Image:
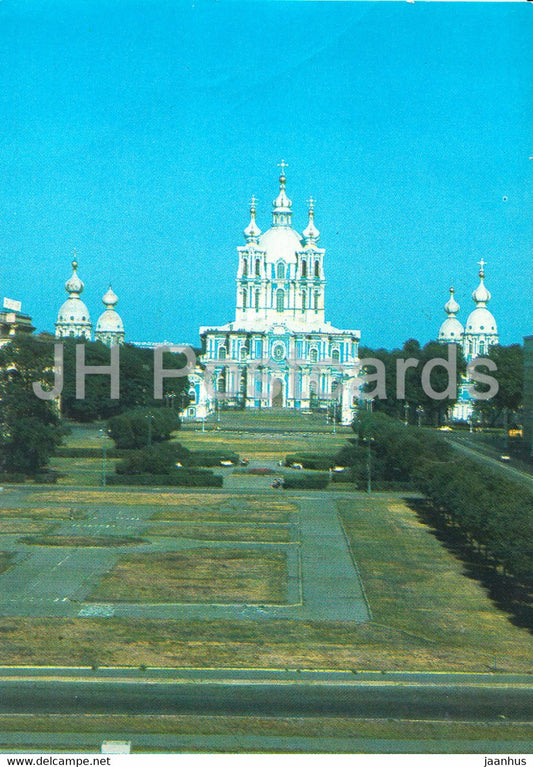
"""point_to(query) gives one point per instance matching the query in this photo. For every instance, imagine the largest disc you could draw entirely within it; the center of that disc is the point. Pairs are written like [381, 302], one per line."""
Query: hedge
[89, 452]
[210, 458]
[307, 481]
[313, 461]
[181, 478]
[13, 478]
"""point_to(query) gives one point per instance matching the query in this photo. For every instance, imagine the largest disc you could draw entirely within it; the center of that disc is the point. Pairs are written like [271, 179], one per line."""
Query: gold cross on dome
[481, 265]
[311, 202]
[283, 165]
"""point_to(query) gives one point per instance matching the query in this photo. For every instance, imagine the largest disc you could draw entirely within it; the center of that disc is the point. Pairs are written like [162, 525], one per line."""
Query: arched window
[192, 397]
[313, 355]
[222, 353]
[257, 267]
[280, 271]
[245, 267]
[316, 302]
[317, 269]
[256, 300]
[304, 301]
[243, 352]
[481, 348]
[244, 299]
[280, 300]
[304, 268]
[221, 383]
[335, 355]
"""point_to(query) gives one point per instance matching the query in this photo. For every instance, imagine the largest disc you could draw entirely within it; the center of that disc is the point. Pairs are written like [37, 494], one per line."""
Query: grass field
[196, 575]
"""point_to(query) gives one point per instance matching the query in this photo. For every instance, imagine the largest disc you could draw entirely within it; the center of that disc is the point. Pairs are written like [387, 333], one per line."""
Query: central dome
[280, 243]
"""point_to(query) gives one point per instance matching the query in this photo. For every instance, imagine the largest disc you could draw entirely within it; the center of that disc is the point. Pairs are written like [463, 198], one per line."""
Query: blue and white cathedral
[280, 351]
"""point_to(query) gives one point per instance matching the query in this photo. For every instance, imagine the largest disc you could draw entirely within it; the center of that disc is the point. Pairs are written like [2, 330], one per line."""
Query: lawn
[419, 590]
[196, 576]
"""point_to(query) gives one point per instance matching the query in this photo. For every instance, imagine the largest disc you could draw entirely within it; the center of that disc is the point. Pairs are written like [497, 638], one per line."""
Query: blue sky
[136, 131]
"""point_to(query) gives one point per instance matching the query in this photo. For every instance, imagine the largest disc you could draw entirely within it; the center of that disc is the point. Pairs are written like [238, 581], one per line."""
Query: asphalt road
[511, 471]
[466, 702]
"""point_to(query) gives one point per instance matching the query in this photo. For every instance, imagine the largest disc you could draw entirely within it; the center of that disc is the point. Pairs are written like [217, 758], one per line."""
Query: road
[404, 696]
[512, 473]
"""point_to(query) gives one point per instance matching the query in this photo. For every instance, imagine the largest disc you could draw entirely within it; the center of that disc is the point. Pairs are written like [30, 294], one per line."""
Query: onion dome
[73, 318]
[252, 231]
[481, 320]
[110, 328]
[74, 285]
[311, 233]
[281, 213]
[481, 296]
[451, 329]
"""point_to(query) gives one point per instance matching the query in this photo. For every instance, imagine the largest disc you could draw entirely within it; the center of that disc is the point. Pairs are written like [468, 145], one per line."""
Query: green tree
[30, 426]
[509, 374]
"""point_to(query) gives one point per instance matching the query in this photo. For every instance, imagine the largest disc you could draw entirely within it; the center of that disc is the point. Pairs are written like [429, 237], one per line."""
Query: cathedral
[73, 320]
[475, 338]
[280, 351]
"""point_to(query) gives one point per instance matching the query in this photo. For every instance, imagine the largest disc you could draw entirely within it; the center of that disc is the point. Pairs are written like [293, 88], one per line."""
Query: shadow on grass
[506, 592]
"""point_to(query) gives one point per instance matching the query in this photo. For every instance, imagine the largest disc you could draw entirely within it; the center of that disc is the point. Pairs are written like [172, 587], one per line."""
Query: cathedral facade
[280, 351]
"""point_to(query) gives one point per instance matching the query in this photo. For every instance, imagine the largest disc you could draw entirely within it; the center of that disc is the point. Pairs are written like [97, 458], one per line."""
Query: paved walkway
[323, 582]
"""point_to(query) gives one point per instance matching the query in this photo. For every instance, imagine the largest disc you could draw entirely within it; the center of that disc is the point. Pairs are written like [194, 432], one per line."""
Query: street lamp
[419, 413]
[151, 419]
[406, 413]
[103, 437]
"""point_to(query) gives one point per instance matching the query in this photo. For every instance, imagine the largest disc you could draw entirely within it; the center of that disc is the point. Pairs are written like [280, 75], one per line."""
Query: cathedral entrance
[277, 392]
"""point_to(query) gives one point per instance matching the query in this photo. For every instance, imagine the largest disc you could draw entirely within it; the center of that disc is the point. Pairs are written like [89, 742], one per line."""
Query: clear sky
[136, 131]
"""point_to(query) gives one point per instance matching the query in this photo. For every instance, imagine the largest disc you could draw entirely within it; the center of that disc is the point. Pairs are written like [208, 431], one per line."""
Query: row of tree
[491, 512]
[418, 405]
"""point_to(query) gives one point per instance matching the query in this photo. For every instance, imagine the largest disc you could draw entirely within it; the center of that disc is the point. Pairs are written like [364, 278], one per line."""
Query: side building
[479, 333]
[280, 351]
[74, 321]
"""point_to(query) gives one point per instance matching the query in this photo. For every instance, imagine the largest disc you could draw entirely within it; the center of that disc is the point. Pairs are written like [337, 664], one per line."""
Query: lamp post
[419, 413]
[103, 437]
[150, 421]
[406, 413]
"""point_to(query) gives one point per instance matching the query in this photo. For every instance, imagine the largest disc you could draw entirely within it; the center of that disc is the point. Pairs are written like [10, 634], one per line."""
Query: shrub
[139, 428]
[156, 459]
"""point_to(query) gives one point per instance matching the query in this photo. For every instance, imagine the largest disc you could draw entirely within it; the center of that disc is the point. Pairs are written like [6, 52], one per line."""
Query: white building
[475, 338]
[280, 351]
